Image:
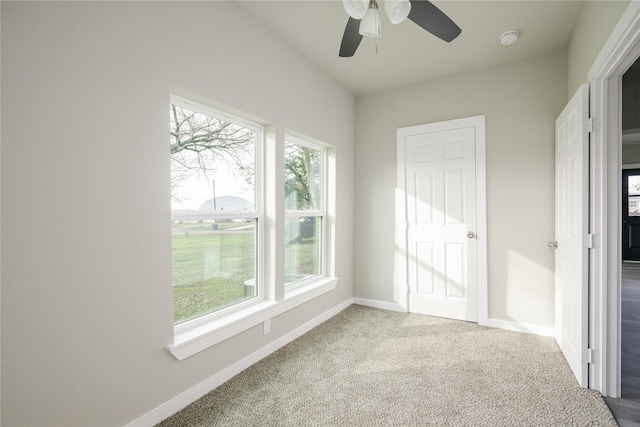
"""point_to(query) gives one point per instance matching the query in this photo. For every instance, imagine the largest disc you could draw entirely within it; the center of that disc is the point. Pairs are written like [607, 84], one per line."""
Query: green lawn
[210, 267]
[209, 271]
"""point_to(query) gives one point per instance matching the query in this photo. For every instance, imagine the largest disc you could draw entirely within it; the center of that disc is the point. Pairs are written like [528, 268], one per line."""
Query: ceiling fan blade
[351, 38]
[432, 19]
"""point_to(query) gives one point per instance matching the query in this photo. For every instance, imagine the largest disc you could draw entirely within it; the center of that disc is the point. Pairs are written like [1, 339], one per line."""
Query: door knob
[553, 244]
[471, 235]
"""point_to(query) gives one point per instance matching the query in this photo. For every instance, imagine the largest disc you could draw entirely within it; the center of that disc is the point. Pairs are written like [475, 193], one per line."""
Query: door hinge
[587, 125]
[590, 355]
[592, 241]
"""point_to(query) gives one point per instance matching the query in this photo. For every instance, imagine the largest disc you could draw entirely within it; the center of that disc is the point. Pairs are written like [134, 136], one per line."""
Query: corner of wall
[597, 20]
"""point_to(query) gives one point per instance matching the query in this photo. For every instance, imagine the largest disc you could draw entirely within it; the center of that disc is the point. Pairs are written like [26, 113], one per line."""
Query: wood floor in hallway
[627, 409]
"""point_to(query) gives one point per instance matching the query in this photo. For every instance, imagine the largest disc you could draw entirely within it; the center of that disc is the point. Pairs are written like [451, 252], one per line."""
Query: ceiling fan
[364, 20]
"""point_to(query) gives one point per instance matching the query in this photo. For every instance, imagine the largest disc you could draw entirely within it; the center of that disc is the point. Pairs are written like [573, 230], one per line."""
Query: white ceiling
[406, 54]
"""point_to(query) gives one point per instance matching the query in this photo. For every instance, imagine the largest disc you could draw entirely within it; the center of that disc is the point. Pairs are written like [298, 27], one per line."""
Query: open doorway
[616, 58]
[615, 147]
[626, 408]
[630, 233]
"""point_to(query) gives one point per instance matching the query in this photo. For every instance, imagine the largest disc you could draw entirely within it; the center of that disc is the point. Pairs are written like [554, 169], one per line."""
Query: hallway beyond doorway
[627, 409]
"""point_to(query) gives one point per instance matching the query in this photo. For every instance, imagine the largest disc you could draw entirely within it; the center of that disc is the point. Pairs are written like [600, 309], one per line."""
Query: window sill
[196, 339]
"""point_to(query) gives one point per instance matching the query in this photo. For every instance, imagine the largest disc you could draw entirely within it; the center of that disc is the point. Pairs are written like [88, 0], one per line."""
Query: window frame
[256, 214]
[201, 333]
[317, 213]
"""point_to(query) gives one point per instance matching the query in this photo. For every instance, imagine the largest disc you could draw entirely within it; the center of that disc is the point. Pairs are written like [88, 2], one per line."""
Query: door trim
[619, 52]
[401, 293]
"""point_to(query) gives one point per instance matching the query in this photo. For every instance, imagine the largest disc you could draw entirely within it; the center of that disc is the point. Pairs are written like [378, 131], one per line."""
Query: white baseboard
[194, 393]
[545, 331]
[380, 304]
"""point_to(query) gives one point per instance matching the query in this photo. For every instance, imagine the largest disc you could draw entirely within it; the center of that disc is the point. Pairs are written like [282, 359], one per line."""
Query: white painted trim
[631, 166]
[194, 393]
[189, 396]
[401, 261]
[621, 42]
[197, 339]
[481, 220]
[618, 53]
[545, 331]
[401, 265]
[390, 306]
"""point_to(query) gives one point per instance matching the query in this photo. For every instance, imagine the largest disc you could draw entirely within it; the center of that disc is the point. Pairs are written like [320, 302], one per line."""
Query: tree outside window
[216, 214]
[304, 204]
[214, 218]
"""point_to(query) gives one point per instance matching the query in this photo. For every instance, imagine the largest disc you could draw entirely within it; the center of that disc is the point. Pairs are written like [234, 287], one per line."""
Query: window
[227, 256]
[215, 210]
[633, 191]
[304, 204]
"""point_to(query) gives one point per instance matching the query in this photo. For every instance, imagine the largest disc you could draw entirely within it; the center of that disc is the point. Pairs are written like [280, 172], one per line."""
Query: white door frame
[618, 54]
[401, 261]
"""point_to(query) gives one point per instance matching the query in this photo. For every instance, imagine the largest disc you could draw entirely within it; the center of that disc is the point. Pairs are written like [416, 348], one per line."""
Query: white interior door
[440, 197]
[571, 262]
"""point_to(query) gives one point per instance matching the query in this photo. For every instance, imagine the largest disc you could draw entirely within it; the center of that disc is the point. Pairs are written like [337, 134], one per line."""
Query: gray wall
[631, 113]
[631, 98]
[86, 280]
[596, 22]
[86, 297]
[631, 154]
[521, 102]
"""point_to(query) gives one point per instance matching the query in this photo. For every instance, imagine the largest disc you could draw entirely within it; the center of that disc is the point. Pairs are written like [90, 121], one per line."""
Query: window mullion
[274, 212]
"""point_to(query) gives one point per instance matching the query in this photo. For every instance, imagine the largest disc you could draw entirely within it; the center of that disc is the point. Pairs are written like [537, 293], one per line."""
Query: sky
[197, 189]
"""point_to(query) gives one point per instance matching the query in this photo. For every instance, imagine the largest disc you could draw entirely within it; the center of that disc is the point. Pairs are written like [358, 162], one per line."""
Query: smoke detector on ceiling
[509, 37]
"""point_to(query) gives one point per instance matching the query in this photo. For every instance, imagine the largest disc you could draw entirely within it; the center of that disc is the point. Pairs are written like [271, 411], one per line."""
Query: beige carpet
[370, 367]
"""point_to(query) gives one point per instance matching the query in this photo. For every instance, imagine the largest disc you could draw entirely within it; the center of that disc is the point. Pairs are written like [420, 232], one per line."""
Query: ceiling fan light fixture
[356, 8]
[370, 23]
[397, 10]
[422, 12]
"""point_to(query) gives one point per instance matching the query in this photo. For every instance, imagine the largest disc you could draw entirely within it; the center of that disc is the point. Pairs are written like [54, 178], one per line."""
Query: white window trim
[256, 213]
[196, 339]
[322, 212]
[196, 335]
